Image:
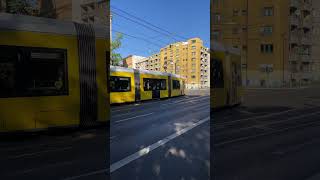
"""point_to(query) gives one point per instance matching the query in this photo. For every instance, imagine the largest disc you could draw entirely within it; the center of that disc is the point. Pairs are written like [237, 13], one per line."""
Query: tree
[24, 7]
[116, 44]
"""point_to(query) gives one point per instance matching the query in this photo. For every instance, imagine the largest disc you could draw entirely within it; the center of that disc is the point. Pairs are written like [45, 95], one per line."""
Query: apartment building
[81, 11]
[189, 59]
[316, 40]
[133, 61]
[274, 37]
[151, 63]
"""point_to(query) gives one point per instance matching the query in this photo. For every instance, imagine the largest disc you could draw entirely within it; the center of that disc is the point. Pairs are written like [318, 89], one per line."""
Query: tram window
[154, 84]
[176, 84]
[163, 84]
[28, 71]
[218, 80]
[120, 84]
[47, 72]
[146, 84]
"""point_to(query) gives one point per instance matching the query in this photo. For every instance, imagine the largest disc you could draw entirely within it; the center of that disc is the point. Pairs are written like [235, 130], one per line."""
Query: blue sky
[184, 18]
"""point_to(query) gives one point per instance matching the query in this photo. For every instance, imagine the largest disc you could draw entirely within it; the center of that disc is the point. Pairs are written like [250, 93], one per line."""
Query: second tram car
[226, 83]
[133, 85]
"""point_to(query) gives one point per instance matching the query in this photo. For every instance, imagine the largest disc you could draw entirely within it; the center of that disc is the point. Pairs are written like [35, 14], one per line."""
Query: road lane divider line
[273, 122]
[266, 133]
[38, 153]
[127, 119]
[130, 107]
[147, 150]
[88, 174]
[258, 117]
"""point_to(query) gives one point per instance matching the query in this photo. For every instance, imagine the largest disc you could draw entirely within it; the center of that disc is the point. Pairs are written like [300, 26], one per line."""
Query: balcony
[294, 38]
[294, 20]
[307, 6]
[307, 23]
[306, 75]
[306, 40]
[294, 56]
[294, 3]
[306, 58]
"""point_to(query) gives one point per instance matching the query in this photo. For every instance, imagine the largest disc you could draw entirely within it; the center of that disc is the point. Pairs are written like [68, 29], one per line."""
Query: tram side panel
[153, 86]
[102, 57]
[177, 87]
[122, 88]
[219, 89]
[44, 84]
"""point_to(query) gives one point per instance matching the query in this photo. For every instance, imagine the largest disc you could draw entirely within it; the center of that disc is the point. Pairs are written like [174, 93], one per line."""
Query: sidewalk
[197, 92]
[315, 177]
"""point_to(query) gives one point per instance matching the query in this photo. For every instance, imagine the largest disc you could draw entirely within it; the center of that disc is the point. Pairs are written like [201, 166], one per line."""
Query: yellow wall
[252, 37]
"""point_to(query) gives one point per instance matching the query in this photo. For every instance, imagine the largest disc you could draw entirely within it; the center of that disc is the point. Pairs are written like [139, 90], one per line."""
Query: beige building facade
[274, 37]
[189, 59]
[316, 40]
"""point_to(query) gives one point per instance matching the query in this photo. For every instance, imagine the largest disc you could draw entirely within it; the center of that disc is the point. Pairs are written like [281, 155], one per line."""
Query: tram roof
[44, 25]
[142, 71]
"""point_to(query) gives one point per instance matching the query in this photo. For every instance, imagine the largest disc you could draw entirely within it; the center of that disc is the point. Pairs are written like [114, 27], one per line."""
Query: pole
[283, 60]
[247, 44]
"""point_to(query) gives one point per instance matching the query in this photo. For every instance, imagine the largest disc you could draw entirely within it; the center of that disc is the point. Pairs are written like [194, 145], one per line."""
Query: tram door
[156, 89]
[137, 85]
[233, 88]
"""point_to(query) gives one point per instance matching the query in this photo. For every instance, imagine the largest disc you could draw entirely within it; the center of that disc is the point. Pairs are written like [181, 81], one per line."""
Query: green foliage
[116, 44]
[24, 7]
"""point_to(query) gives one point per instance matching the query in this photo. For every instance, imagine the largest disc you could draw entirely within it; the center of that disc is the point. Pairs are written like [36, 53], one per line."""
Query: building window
[267, 30]
[244, 12]
[216, 34]
[266, 48]
[217, 18]
[193, 47]
[235, 12]
[268, 11]
[26, 71]
[235, 30]
[193, 41]
[120, 84]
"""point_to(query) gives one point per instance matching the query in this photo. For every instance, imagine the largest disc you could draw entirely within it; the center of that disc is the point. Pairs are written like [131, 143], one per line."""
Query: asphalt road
[165, 139]
[161, 139]
[272, 142]
[56, 156]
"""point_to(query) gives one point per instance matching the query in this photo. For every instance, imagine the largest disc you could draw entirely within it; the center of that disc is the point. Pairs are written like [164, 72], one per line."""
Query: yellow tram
[226, 83]
[52, 73]
[132, 85]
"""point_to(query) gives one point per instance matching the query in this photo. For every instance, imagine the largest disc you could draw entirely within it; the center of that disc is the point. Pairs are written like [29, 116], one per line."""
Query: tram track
[255, 128]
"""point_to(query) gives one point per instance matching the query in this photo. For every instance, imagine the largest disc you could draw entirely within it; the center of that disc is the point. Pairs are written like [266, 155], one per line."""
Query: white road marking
[88, 174]
[152, 147]
[295, 147]
[38, 153]
[131, 107]
[257, 117]
[263, 134]
[127, 119]
[184, 101]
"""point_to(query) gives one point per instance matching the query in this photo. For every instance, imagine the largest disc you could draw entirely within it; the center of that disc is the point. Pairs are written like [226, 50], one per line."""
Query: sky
[181, 20]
